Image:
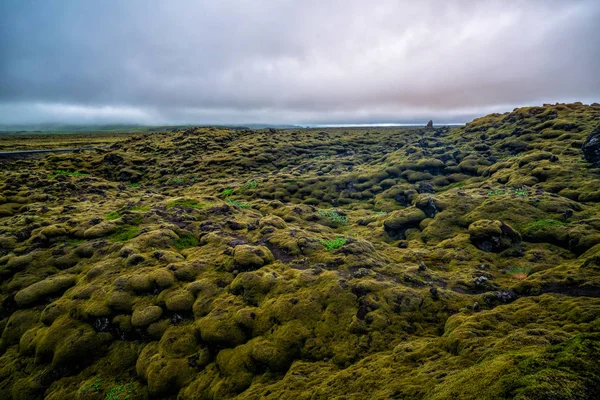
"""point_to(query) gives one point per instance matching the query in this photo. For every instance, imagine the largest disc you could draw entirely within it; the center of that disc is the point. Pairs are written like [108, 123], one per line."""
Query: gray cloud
[294, 62]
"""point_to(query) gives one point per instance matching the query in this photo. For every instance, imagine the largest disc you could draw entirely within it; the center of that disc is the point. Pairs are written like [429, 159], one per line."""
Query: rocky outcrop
[591, 147]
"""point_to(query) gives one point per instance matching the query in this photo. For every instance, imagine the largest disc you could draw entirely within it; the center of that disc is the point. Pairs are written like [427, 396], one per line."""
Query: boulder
[591, 147]
[493, 236]
[248, 258]
[399, 221]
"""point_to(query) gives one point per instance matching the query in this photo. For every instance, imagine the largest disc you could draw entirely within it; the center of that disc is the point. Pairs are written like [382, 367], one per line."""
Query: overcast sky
[292, 61]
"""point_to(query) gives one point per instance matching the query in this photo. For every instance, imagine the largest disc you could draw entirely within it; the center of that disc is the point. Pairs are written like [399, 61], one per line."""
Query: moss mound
[358, 263]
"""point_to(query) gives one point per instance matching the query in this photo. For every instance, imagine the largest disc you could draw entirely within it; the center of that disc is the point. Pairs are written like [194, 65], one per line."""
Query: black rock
[425, 187]
[430, 124]
[434, 293]
[591, 147]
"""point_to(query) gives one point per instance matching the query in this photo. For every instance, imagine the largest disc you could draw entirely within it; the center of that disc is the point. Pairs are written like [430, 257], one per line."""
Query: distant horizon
[317, 62]
[50, 126]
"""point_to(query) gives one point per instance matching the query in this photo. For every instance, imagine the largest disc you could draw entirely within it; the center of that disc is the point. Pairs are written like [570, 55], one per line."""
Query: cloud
[295, 62]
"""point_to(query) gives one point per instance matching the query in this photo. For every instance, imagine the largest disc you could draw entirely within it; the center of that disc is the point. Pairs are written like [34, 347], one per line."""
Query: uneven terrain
[379, 263]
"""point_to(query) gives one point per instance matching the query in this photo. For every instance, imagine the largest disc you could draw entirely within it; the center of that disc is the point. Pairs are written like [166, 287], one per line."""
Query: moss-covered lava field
[346, 263]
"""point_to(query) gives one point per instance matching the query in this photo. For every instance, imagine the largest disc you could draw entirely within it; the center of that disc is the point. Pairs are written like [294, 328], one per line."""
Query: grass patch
[496, 192]
[333, 244]
[520, 192]
[93, 387]
[227, 192]
[134, 184]
[66, 173]
[516, 192]
[112, 215]
[186, 241]
[334, 216]
[237, 203]
[540, 224]
[519, 273]
[124, 234]
[120, 392]
[75, 242]
[187, 203]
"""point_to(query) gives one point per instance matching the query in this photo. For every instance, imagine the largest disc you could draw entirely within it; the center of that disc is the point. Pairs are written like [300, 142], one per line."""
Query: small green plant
[119, 393]
[124, 234]
[112, 215]
[66, 173]
[227, 192]
[237, 203]
[334, 216]
[333, 244]
[186, 203]
[253, 184]
[186, 241]
[134, 184]
[520, 192]
[93, 387]
[177, 181]
[519, 273]
[75, 242]
[516, 192]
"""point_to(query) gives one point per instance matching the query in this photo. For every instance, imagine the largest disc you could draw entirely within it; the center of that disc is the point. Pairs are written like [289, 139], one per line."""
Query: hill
[355, 263]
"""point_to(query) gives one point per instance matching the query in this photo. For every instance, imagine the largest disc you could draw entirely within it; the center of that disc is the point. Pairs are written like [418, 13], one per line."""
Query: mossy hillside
[191, 264]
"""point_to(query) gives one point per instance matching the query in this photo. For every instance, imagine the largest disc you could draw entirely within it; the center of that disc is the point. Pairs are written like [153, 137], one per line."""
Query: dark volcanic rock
[591, 147]
[493, 236]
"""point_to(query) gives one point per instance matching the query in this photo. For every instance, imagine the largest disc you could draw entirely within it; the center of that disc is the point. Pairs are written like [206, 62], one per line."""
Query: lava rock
[493, 236]
[591, 147]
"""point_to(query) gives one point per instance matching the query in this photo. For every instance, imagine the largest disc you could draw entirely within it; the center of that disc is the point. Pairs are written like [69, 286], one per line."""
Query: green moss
[333, 244]
[186, 241]
[61, 172]
[112, 215]
[238, 203]
[124, 234]
[40, 290]
[334, 216]
[543, 223]
[186, 203]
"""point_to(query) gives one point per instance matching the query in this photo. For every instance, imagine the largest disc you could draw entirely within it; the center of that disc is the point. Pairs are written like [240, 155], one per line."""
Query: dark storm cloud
[291, 61]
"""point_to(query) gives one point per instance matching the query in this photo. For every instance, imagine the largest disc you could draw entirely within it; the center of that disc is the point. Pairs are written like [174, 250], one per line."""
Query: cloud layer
[326, 61]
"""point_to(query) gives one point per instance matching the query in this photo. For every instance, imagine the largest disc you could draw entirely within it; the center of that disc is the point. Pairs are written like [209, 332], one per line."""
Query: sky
[292, 62]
